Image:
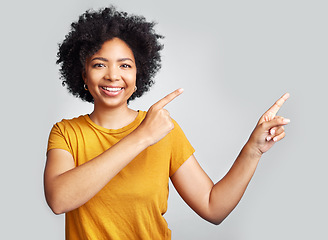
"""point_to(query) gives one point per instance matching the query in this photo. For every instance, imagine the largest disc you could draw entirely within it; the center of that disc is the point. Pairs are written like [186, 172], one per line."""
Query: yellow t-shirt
[132, 204]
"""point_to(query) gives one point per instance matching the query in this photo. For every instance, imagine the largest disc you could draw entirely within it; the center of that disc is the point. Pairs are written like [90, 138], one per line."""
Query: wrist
[253, 151]
[141, 138]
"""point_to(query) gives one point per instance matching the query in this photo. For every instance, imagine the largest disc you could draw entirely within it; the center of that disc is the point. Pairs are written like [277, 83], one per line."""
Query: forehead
[115, 48]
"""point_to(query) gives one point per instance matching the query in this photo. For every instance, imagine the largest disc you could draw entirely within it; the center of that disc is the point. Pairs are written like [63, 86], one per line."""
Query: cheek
[93, 76]
[131, 77]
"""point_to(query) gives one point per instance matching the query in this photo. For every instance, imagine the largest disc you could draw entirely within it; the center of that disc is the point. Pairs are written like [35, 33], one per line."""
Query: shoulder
[66, 132]
[73, 121]
[67, 124]
[177, 129]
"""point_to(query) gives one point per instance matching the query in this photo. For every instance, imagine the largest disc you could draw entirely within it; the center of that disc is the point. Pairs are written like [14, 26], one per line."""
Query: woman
[109, 171]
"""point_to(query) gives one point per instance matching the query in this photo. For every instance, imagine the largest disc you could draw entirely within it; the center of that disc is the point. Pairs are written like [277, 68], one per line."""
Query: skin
[68, 187]
[215, 202]
[112, 66]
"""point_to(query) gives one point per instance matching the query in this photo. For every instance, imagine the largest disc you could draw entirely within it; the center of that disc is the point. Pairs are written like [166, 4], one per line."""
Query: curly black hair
[88, 34]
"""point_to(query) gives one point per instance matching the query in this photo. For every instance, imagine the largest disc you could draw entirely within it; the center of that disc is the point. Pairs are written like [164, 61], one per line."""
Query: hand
[158, 123]
[269, 128]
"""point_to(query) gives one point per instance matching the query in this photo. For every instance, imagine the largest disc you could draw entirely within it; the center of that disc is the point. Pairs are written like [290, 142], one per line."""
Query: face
[110, 74]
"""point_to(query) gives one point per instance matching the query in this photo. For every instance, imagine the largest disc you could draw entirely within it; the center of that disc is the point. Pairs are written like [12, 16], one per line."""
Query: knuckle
[278, 118]
[165, 112]
[264, 125]
[277, 103]
[156, 108]
[153, 107]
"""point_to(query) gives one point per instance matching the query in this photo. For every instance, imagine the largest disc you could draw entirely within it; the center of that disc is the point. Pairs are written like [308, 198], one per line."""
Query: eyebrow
[106, 60]
[100, 58]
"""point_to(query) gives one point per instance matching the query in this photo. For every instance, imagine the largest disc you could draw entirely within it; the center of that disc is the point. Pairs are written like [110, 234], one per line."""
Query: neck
[113, 118]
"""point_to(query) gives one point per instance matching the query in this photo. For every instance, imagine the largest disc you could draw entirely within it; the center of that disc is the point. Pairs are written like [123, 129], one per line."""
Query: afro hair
[88, 34]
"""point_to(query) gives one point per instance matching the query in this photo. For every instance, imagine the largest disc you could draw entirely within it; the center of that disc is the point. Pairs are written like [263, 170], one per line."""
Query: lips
[112, 89]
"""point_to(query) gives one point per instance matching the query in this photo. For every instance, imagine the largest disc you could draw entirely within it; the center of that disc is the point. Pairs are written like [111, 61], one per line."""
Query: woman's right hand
[158, 123]
[68, 187]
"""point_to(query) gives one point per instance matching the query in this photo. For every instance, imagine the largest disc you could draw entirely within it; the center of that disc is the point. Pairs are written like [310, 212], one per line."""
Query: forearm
[226, 194]
[75, 187]
[215, 202]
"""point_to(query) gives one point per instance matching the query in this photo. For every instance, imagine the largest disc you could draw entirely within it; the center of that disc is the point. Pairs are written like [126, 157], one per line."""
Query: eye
[99, 65]
[125, 65]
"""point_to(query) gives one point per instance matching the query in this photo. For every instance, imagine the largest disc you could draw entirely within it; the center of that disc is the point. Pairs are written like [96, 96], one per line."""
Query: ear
[84, 76]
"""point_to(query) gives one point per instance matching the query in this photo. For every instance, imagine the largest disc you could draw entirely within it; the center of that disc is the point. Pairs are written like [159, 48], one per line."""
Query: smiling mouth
[111, 89]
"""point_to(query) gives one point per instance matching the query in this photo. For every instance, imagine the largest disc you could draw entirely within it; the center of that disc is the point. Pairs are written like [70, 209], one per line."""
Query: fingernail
[286, 120]
[268, 138]
[275, 139]
[272, 131]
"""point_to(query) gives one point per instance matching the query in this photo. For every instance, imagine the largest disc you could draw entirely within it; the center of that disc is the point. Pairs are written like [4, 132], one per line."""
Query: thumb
[276, 122]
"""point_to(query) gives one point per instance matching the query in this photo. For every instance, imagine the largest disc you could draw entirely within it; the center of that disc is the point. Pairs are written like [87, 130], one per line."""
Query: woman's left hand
[270, 128]
[215, 202]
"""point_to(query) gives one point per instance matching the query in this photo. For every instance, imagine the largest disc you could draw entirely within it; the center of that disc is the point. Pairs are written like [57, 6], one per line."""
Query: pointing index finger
[168, 98]
[272, 111]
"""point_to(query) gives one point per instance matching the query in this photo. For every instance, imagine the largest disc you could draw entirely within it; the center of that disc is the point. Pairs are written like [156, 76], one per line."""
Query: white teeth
[112, 89]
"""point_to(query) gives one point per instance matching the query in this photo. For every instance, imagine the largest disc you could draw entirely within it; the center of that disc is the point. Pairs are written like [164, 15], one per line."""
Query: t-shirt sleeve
[57, 138]
[181, 148]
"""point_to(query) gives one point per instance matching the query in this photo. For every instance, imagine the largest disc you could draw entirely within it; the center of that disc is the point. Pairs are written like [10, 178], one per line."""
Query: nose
[112, 73]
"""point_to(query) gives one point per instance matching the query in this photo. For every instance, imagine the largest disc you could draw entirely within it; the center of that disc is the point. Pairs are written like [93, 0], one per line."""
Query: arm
[215, 202]
[68, 187]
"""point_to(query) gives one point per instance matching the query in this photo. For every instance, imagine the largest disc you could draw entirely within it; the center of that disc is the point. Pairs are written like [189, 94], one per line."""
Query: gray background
[233, 58]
